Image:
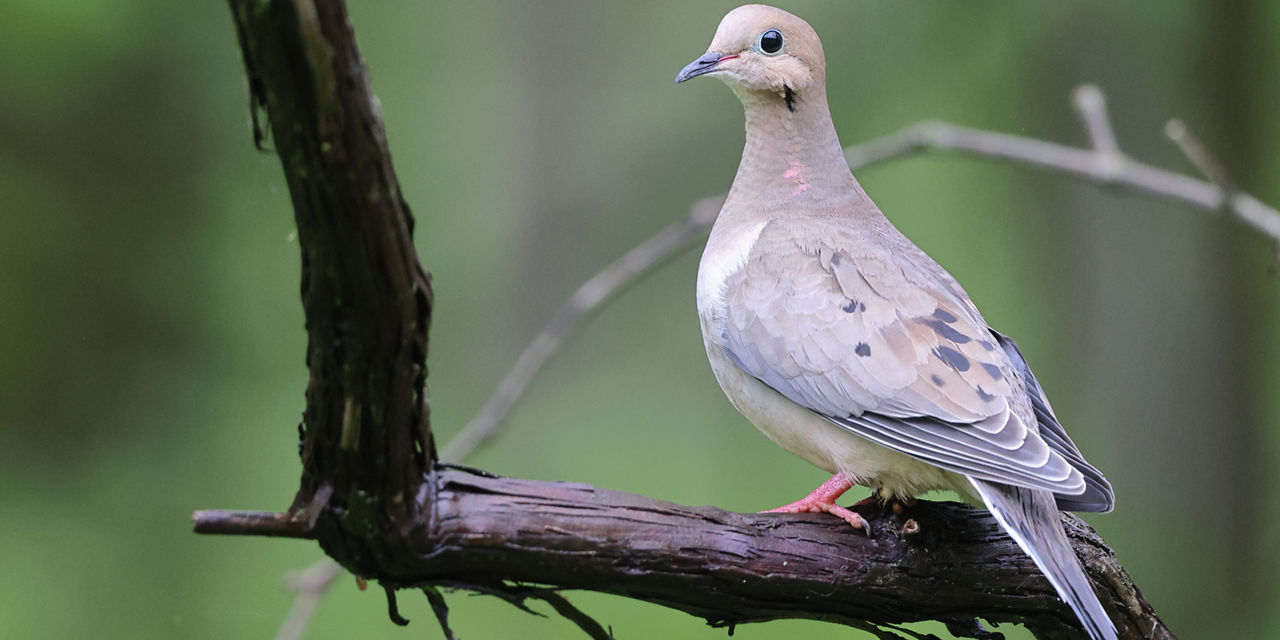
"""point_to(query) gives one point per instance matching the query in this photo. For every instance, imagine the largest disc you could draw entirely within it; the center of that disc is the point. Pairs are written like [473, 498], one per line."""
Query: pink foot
[823, 500]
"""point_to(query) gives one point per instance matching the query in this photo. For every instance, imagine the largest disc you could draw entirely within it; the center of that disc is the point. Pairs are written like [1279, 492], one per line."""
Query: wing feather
[1098, 495]
[906, 363]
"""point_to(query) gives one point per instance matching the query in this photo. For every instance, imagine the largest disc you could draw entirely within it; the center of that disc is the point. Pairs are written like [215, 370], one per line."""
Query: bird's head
[759, 48]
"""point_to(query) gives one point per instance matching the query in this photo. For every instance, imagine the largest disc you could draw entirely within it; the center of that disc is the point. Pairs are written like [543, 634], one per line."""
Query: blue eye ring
[770, 43]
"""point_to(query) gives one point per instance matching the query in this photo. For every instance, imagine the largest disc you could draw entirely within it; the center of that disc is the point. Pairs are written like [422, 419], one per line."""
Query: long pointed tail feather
[1031, 519]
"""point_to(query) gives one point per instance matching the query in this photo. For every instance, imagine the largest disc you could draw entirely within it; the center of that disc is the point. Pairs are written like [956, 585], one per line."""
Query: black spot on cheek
[863, 349]
[938, 380]
[953, 358]
[790, 97]
[992, 370]
[947, 331]
[984, 396]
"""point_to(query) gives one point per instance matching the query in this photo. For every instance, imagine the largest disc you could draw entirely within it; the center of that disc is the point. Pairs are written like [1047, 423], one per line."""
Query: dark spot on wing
[988, 345]
[944, 315]
[984, 396]
[835, 259]
[947, 331]
[863, 349]
[953, 358]
[937, 380]
[992, 370]
[854, 305]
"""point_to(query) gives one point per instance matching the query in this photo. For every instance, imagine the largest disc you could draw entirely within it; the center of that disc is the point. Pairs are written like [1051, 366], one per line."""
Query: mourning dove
[848, 346]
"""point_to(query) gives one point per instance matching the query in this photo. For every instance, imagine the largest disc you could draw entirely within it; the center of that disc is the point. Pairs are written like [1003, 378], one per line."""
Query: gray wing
[887, 345]
[1098, 495]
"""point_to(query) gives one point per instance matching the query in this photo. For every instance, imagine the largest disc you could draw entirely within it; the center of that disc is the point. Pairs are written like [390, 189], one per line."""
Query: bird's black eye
[770, 42]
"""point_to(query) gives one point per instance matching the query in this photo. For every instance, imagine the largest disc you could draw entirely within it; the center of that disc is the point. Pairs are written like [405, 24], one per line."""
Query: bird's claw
[823, 500]
[854, 518]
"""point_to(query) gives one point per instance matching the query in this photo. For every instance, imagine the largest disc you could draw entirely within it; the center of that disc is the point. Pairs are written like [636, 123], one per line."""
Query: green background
[151, 336]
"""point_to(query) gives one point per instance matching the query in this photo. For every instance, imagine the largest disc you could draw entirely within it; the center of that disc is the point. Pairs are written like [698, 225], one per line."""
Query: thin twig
[311, 584]
[1259, 216]
[517, 595]
[251, 523]
[1083, 163]
[1246, 207]
[1204, 162]
[600, 288]
[440, 608]
[573, 614]
[1091, 105]
[393, 607]
[1104, 163]
[295, 524]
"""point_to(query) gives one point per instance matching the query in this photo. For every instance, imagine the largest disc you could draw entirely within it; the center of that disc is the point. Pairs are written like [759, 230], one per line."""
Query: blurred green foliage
[152, 342]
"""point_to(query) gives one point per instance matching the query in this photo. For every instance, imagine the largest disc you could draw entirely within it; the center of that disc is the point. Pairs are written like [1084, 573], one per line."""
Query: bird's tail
[1031, 519]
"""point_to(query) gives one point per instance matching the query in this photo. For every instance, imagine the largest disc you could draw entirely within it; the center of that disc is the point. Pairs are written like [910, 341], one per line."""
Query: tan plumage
[847, 345]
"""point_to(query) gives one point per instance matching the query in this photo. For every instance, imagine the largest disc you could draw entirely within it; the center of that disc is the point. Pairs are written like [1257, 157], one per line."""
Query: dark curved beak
[706, 64]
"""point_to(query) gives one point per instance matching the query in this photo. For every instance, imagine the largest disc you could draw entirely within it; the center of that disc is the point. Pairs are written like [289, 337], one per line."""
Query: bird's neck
[792, 154]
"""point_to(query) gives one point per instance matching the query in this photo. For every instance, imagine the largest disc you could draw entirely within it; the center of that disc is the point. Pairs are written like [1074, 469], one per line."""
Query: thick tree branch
[366, 444]
[373, 496]
[732, 568]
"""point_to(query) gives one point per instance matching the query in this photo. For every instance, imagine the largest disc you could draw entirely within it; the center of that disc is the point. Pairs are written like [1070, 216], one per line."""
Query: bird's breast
[727, 251]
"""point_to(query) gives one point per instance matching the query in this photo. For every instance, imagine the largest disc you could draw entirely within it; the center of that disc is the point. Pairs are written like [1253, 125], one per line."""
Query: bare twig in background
[593, 293]
[1104, 163]
[311, 584]
[1246, 207]
[1198, 154]
[1091, 105]
[1089, 164]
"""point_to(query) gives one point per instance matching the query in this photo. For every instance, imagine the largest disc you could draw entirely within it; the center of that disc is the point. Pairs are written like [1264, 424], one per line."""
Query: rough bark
[377, 501]
[932, 561]
[366, 443]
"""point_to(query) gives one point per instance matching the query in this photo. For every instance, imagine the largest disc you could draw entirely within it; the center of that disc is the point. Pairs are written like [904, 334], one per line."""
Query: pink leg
[823, 500]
